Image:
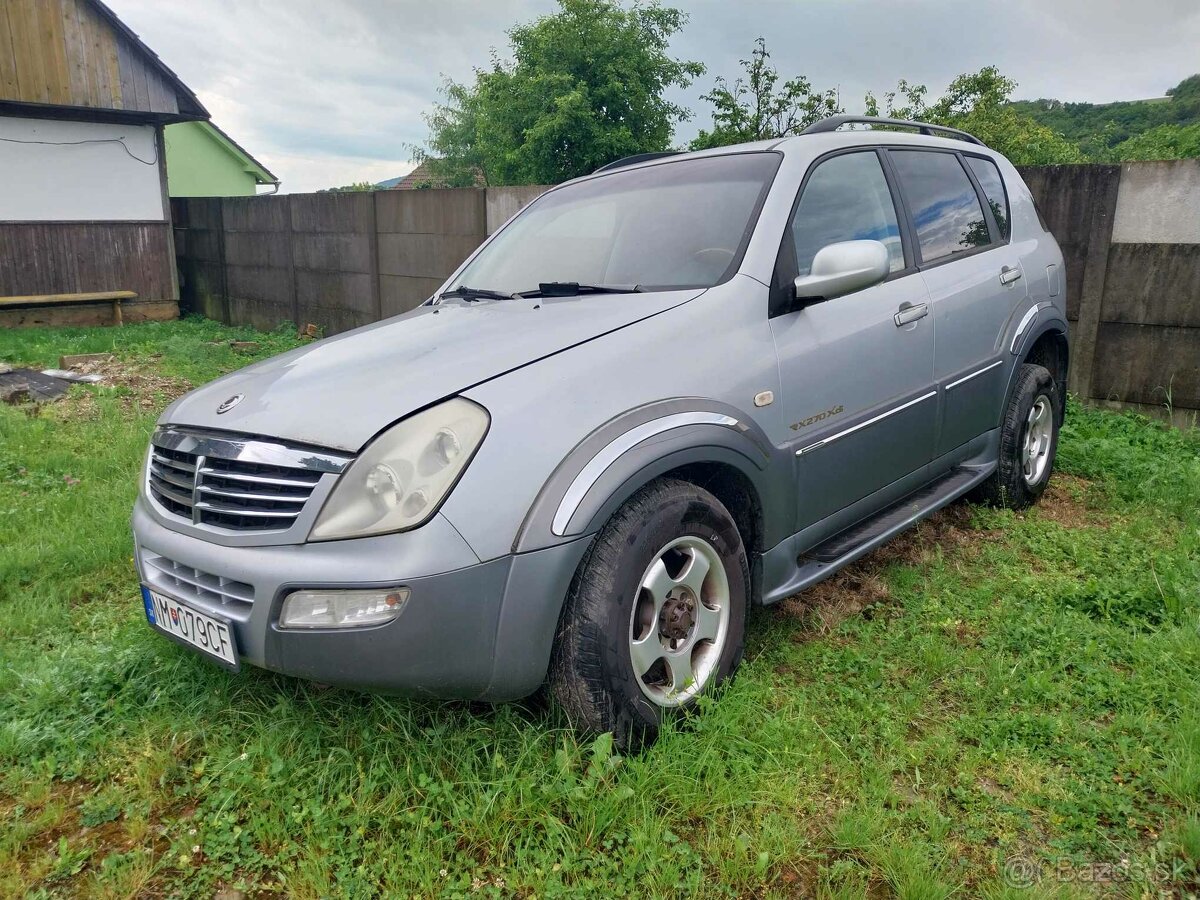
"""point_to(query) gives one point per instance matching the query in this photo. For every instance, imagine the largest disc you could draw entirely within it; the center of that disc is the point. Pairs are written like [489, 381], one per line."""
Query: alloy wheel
[680, 621]
[1035, 447]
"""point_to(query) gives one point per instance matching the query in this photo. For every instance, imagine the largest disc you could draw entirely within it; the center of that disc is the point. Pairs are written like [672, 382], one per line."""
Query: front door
[856, 372]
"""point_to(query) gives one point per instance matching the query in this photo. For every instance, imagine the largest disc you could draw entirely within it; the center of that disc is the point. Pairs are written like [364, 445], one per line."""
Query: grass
[996, 704]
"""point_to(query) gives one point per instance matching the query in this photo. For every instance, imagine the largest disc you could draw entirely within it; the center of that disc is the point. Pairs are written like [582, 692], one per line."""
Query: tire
[633, 588]
[1034, 407]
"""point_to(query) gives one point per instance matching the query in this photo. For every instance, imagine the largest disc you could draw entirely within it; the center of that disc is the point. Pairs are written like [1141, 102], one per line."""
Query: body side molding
[853, 428]
[964, 379]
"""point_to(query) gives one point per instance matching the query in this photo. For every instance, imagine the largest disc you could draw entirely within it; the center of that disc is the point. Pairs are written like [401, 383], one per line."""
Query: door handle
[1009, 274]
[910, 312]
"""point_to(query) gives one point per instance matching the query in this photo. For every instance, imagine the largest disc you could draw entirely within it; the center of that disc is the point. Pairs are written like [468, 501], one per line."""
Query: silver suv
[662, 393]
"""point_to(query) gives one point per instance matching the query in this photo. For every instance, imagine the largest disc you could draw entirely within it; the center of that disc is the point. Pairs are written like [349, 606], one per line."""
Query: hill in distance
[1100, 128]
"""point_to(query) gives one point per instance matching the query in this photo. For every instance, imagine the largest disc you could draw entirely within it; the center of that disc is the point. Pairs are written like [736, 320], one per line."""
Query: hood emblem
[230, 403]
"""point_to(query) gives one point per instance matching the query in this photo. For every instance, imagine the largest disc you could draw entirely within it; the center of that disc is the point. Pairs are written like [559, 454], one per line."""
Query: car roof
[813, 144]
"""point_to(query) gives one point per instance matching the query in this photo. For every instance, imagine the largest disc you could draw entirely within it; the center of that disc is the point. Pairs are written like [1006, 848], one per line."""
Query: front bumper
[470, 630]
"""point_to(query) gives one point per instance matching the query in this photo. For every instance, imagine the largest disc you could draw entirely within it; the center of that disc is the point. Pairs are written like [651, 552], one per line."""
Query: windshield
[672, 225]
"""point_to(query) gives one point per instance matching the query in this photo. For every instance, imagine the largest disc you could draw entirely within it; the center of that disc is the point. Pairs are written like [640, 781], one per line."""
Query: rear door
[856, 379]
[959, 214]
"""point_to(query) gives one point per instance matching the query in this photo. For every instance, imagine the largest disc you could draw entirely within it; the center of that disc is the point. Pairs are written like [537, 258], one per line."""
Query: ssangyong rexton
[680, 386]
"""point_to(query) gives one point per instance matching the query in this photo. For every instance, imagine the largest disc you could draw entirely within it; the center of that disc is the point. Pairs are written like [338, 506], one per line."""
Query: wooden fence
[1130, 237]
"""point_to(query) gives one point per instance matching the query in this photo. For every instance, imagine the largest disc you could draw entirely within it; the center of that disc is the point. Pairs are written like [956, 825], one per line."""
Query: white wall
[63, 181]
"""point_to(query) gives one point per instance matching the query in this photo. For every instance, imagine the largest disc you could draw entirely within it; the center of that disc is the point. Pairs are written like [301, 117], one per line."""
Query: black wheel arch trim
[742, 445]
[1049, 322]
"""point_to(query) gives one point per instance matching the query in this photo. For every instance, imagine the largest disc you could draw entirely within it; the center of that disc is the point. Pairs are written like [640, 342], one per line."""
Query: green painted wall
[199, 165]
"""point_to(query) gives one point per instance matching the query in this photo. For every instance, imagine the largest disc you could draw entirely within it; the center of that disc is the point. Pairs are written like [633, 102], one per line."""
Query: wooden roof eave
[22, 109]
[190, 107]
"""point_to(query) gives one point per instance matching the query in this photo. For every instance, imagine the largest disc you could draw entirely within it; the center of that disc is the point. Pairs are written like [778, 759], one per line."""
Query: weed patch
[992, 695]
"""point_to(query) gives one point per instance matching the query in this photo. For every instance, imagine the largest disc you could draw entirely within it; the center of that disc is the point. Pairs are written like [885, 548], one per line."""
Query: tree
[585, 86]
[978, 102]
[753, 108]
[1163, 142]
[349, 188]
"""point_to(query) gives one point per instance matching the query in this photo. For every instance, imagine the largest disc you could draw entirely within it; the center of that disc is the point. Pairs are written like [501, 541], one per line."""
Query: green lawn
[993, 693]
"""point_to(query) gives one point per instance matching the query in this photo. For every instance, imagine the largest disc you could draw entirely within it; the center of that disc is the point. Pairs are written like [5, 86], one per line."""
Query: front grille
[230, 493]
[186, 583]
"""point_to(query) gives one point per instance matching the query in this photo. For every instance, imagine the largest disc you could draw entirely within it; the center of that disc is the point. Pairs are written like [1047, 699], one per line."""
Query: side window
[993, 188]
[944, 206]
[846, 199]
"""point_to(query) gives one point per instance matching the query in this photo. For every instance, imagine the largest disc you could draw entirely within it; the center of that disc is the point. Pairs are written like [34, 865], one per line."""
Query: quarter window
[945, 208]
[993, 188]
[846, 199]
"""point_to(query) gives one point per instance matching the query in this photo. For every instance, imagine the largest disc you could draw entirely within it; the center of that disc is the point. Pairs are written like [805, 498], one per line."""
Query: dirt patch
[993, 788]
[67, 799]
[1065, 503]
[137, 386]
[861, 587]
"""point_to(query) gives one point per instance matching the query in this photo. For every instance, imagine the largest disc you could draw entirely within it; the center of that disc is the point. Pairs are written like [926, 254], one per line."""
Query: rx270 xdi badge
[812, 420]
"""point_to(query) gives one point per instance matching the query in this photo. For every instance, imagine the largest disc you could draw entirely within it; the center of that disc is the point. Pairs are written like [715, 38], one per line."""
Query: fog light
[342, 609]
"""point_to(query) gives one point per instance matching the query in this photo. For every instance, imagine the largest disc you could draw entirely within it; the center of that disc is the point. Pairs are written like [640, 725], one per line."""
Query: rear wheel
[655, 616]
[1028, 441]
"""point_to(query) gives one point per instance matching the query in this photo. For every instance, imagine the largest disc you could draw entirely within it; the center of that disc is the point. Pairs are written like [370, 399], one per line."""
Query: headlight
[399, 481]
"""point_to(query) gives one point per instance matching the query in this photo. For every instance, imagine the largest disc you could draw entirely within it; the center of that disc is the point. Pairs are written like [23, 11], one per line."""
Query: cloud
[318, 89]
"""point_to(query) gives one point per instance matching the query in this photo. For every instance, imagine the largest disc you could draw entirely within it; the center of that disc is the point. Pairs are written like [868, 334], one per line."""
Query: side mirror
[843, 268]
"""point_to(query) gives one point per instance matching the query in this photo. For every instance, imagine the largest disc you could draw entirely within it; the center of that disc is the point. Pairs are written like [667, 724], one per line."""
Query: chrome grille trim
[178, 480]
[196, 442]
[246, 495]
[232, 483]
[187, 583]
[258, 479]
[246, 511]
[163, 461]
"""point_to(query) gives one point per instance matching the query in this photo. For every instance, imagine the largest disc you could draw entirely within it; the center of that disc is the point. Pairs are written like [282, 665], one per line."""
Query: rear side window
[989, 179]
[944, 205]
[846, 199]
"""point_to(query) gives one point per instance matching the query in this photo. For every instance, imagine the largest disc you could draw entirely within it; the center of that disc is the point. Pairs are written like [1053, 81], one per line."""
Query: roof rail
[833, 123]
[636, 158]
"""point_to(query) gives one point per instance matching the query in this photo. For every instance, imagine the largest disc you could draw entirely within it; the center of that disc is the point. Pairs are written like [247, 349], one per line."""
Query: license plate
[208, 634]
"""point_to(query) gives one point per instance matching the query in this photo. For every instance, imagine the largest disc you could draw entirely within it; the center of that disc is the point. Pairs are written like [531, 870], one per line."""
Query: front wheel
[655, 615]
[1028, 441]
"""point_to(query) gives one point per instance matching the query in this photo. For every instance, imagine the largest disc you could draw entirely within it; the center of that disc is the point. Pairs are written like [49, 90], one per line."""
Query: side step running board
[832, 554]
[916, 504]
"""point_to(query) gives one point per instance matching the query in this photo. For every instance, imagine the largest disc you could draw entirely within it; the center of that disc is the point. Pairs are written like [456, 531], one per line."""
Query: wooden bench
[115, 297]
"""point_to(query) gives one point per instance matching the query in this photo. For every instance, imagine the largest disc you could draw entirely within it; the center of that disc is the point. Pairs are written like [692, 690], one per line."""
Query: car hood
[341, 391]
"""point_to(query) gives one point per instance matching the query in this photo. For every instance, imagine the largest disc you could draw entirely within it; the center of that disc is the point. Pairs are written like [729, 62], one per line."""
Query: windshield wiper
[471, 294]
[574, 288]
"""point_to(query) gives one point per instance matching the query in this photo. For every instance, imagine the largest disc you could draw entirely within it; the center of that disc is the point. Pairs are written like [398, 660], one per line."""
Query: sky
[329, 92]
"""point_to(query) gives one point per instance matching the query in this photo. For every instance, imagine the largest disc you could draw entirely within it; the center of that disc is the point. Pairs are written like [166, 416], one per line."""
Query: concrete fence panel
[259, 276]
[333, 260]
[1131, 238]
[505, 202]
[1157, 203]
[422, 236]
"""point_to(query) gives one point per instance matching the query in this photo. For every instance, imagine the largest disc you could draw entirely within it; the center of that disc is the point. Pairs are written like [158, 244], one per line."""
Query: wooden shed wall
[84, 257]
[66, 53]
